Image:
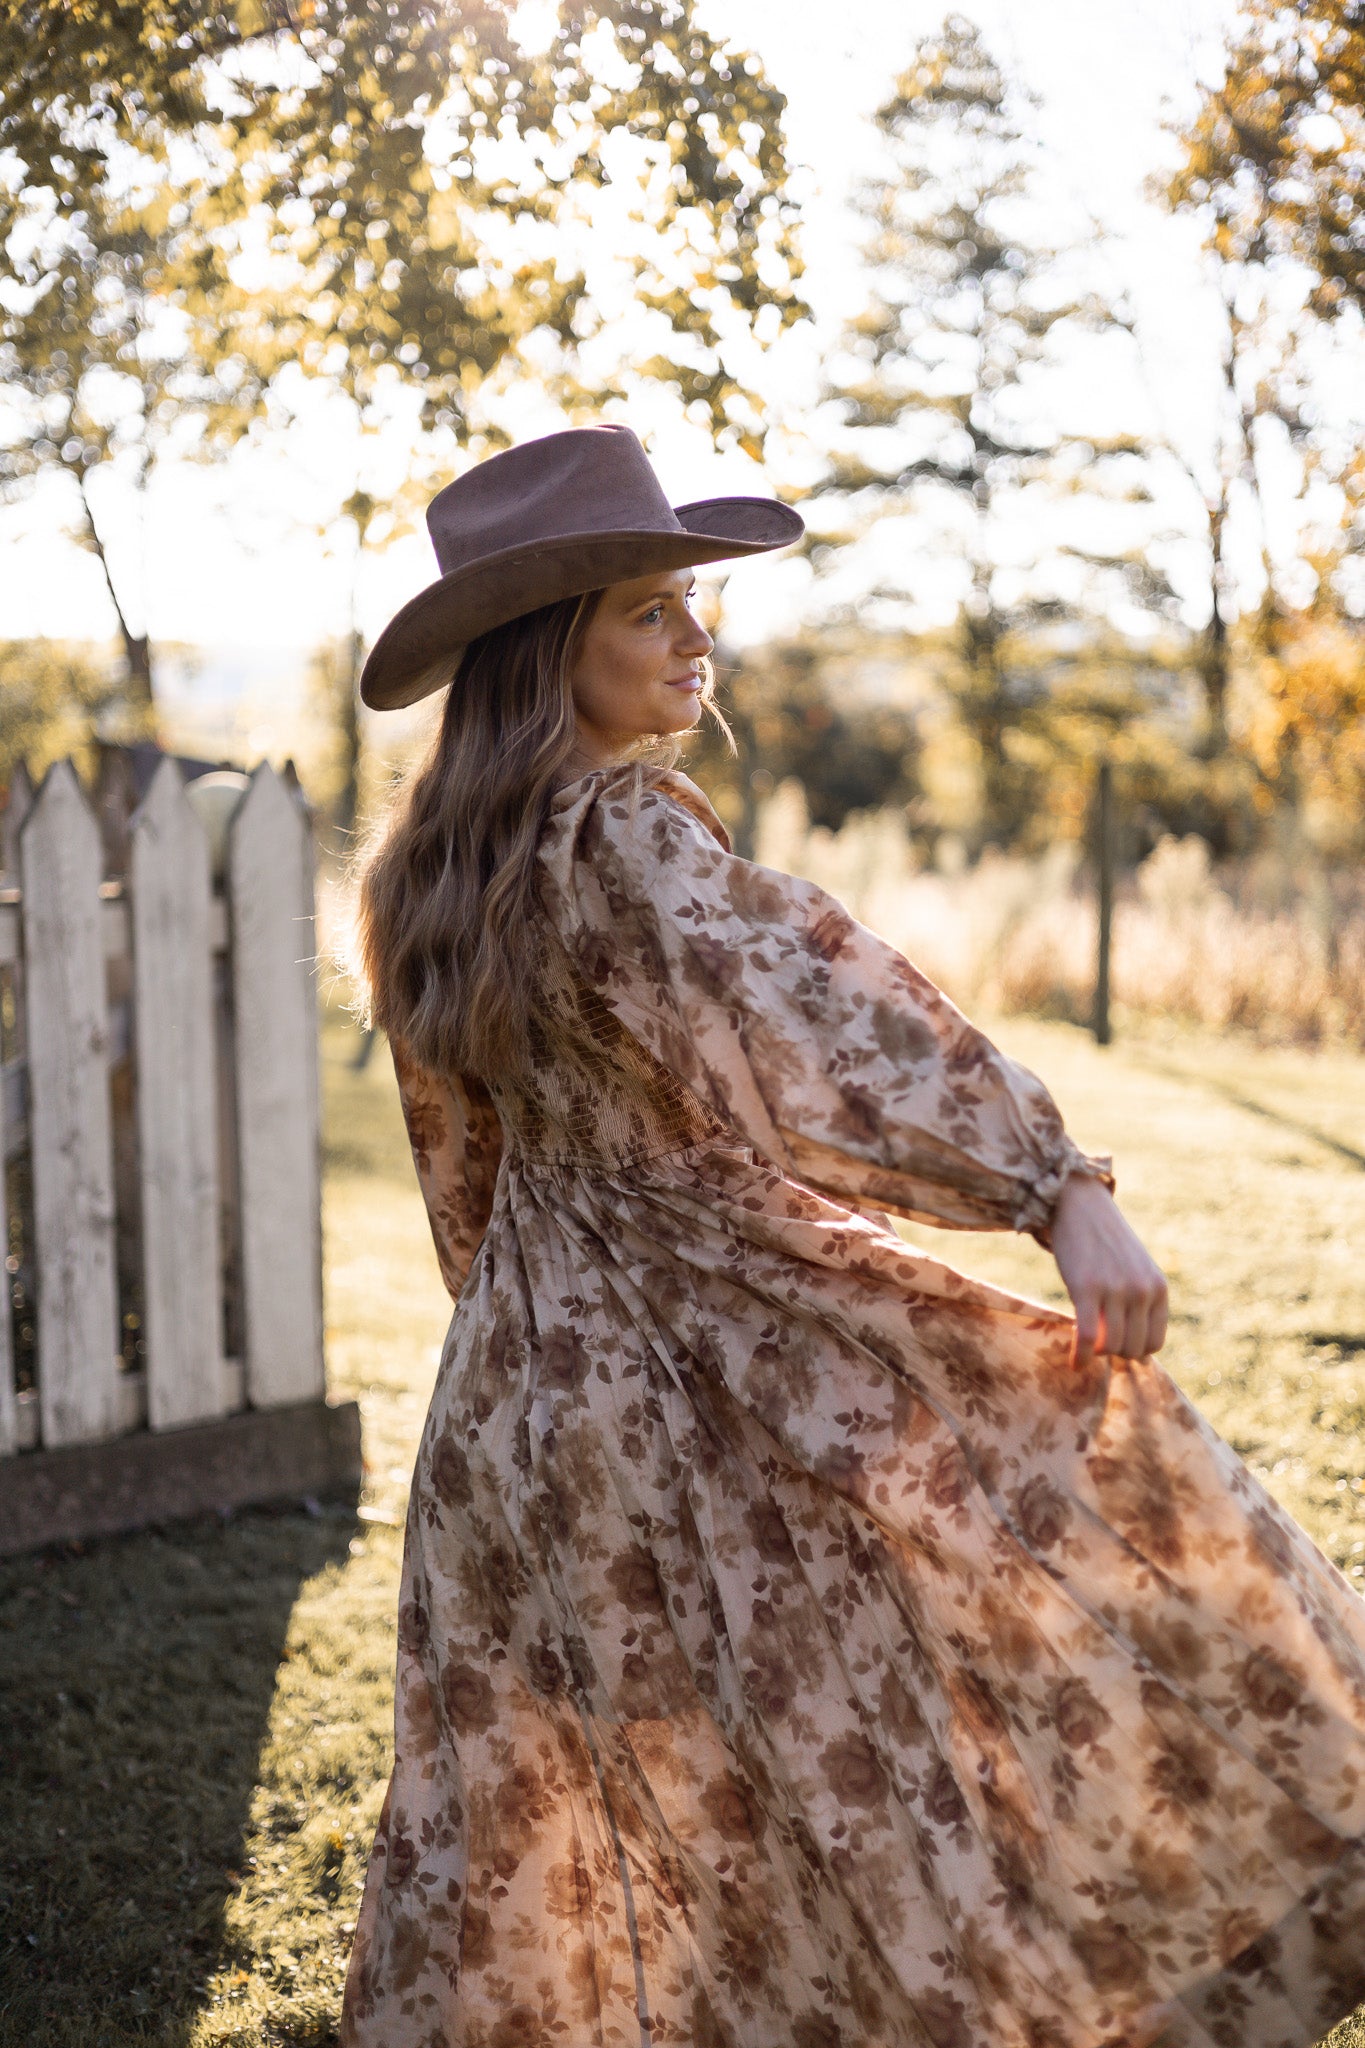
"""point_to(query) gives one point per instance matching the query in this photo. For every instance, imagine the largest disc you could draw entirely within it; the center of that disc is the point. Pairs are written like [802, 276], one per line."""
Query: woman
[801, 1645]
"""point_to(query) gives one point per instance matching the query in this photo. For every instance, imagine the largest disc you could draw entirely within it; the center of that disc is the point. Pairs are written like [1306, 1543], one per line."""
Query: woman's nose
[697, 643]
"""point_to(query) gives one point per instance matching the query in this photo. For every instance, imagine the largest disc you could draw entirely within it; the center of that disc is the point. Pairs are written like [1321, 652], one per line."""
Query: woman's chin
[681, 717]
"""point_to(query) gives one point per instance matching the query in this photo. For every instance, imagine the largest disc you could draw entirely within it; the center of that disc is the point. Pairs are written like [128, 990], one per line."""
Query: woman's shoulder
[672, 786]
[631, 803]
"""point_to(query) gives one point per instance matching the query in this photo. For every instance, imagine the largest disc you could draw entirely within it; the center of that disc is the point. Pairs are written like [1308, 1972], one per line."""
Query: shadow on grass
[1239, 1100]
[136, 1682]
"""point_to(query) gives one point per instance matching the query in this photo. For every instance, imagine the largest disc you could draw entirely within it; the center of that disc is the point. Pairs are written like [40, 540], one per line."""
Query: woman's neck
[594, 749]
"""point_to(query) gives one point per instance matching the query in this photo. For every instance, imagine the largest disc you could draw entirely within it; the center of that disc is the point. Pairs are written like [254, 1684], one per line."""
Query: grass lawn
[196, 1720]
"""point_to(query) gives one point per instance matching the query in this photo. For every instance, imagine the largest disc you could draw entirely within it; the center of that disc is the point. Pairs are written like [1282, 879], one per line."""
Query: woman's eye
[653, 615]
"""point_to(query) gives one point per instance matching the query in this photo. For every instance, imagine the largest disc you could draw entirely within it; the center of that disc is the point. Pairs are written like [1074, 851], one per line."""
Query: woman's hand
[1117, 1287]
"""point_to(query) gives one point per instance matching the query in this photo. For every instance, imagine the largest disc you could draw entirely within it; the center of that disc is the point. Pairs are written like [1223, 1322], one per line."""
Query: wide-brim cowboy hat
[547, 520]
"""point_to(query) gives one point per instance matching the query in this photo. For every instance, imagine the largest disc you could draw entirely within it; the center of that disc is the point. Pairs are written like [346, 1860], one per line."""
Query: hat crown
[595, 478]
[546, 521]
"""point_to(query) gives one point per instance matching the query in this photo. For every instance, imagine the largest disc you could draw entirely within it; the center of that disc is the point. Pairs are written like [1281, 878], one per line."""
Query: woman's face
[637, 671]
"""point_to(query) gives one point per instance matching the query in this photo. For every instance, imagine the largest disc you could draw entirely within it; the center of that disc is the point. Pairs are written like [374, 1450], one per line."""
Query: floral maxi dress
[796, 1650]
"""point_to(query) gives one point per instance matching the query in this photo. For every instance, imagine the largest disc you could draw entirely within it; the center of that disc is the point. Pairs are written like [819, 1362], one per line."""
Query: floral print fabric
[796, 1649]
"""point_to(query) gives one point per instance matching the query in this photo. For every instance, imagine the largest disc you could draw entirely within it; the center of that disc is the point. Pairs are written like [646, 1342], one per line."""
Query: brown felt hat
[551, 519]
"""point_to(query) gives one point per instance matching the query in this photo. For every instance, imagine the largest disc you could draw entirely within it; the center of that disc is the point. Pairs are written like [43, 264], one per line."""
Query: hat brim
[417, 651]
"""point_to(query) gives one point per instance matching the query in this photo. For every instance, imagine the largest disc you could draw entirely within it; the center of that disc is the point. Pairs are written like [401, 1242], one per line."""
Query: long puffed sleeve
[456, 1144]
[822, 1045]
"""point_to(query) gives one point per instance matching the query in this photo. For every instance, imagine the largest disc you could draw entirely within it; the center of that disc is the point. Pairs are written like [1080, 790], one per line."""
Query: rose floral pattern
[795, 1649]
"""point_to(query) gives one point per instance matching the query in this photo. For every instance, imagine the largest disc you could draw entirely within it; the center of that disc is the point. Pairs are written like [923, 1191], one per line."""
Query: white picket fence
[160, 1086]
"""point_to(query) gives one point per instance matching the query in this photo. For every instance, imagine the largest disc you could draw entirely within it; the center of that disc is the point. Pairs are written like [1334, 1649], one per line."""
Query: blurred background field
[197, 1720]
[1269, 945]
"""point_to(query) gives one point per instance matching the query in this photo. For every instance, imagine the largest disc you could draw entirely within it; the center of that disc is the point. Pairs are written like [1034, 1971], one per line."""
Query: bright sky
[221, 567]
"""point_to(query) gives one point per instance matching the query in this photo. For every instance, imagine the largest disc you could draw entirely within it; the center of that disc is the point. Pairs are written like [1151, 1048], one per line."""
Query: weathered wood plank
[177, 1123]
[118, 994]
[14, 1106]
[9, 1413]
[19, 803]
[113, 923]
[14, 1128]
[229, 1176]
[73, 1190]
[212, 1467]
[132, 1400]
[27, 1405]
[214, 799]
[270, 888]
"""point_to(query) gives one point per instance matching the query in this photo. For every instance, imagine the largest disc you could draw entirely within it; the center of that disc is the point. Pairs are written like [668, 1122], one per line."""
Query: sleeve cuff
[1039, 1203]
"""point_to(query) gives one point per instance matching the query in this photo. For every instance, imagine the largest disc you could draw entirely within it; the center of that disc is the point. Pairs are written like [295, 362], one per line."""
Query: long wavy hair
[447, 901]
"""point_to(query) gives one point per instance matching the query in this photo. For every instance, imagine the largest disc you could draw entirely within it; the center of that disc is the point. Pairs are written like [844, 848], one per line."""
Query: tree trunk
[747, 760]
[985, 710]
[1104, 890]
[348, 719]
[362, 509]
[137, 649]
[1213, 674]
[137, 658]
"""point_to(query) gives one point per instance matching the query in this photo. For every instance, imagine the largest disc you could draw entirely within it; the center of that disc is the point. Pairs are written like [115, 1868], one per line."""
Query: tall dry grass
[1273, 946]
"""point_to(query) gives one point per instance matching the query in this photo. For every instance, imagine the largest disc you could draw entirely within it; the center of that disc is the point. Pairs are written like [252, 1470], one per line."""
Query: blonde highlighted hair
[448, 903]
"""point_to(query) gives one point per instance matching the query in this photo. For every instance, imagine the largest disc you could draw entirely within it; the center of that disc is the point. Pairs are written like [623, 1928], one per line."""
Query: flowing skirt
[797, 1651]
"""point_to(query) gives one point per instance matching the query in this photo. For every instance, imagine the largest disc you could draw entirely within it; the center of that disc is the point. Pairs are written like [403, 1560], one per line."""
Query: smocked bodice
[590, 1093]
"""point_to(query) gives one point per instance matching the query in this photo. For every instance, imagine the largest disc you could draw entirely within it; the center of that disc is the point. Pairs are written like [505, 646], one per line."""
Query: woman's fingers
[1086, 1303]
[1120, 1322]
[1157, 1332]
[1116, 1320]
[1116, 1287]
[1126, 1324]
[1147, 1321]
[1132, 1320]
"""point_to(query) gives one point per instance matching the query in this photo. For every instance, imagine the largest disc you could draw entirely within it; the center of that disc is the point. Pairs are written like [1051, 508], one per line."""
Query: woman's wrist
[1082, 1185]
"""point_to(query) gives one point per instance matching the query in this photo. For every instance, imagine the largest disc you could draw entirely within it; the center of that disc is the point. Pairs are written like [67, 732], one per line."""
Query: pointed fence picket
[68, 1042]
[159, 1090]
[270, 891]
[176, 1120]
